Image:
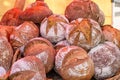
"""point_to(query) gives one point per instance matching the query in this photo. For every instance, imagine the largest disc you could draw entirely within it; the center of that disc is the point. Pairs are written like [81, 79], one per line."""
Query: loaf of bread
[42, 49]
[28, 64]
[23, 33]
[106, 58]
[11, 17]
[36, 13]
[53, 28]
[6, 55]
[84, 9]
[73, 63]
[84, 32]
[111, 34]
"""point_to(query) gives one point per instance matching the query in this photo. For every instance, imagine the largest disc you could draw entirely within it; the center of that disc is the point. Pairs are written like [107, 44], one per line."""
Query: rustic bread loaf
[73, 63]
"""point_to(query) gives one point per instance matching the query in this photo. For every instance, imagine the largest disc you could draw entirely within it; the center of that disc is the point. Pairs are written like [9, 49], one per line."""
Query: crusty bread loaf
[73, 63]
[11, 17]
[84, 9]
[6, 55]
[111, 34]
[53, 28]
[42, 49]
[23, 33]
[84, 32]
[36, 13]
[106, 57]
[29, 63]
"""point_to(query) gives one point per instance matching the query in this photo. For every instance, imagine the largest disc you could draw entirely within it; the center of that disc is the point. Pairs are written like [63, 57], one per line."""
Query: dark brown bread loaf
[84, 9]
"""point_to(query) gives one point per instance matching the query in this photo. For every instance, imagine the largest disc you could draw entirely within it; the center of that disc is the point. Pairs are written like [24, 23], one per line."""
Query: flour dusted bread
[23, 33]
[28, 64]
[42, 49]
[6, 55]
[84, 32]
[73, 63]
[53, 28]
[106, 58]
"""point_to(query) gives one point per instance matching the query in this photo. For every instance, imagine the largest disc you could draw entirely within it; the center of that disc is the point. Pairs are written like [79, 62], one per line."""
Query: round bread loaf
[111, 34]
[73, 63]
[106, 58]
[84, 9]
[36, 13]
[11, 17]
[23, 33]
[84, 32]
[53, 28]
[42, 49]
[31, 64]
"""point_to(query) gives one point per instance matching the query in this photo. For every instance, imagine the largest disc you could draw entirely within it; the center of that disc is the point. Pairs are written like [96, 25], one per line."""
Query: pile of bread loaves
[36, 44]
